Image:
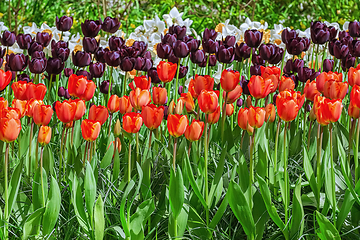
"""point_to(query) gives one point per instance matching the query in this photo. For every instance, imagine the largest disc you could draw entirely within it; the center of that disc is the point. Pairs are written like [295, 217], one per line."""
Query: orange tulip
[125, 105]
[113, 104]
[166, 71]
[354, 76]
[44, 135]
[19, 89]
[273, 73]
[354, 112]
[288, 104]
[3, 105]
[335, 90]
[152, 116]
[243, 120]
[188, 101]
[270, 113]
[326, 110]
[192, 89]
[139, 98]
[233, 95]
[5, 78]
[81, 87]
[310, 90]
[208, 101]
[355, 96]
[80, 109]
[229, 80]
[213, 118]
[29, 108]
[42, 114]
[259, 87]
[36, 91]
[159, 95]
[9, 129]
[141, 82]
[90, 129]
[98, 113]
[286, 83]
[19, 104]
[256, 116]
[132, 122]
[325, 76]
[177, 124]
[229, 109]
[10, 113]
[65, 111]
[194, 131]
[203, 83]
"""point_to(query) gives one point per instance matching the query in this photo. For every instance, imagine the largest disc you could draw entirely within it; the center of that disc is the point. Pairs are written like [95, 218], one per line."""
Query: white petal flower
[219, 71]
[32, 30]
[174, 17]
[154, 26]
[248, 24]
[346, 26]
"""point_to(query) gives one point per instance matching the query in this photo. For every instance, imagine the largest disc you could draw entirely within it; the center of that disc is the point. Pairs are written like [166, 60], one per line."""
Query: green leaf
[309, 172]
[77, 200]
[99, 219]
[327, 230]
[106, 160]
[52, 207]
[116, 166]
[14, 185]
[139, 218]
[241, 209]
[123, 218]
[37, 199]
[219, 213]
[345, 209]
[32, 223]
[176, 192]
[90, 189]
[297, 221]
[217, 183]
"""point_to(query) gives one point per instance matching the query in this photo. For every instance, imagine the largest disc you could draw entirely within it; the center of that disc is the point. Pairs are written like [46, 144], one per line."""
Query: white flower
[187, 23]
[248, 24]
[74, 40]
[174, 17]
[219, 71]
[346, 26]
[15, 48]
[32, 30]
[305, 33]
[154, 26]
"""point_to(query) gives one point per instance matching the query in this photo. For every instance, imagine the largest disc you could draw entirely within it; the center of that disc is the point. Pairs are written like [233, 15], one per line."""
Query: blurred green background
[204, 13]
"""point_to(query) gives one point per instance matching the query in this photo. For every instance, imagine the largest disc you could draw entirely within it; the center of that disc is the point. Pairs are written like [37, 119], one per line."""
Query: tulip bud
[68, 72]
[179, 107]
[110, 25]
[328, 65]
[253, 38]
[44, 135]
[8, 38]
[117, 128]
[64, 23]
[104, 87]
[171, 107]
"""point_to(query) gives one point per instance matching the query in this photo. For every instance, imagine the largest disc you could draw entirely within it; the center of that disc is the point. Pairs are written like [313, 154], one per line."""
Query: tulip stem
[207, 64]
[137, 147]
[72, 133]
[111, 77]
[177, 80]
[286, 178]
[86, 146]
[36, 154]
[351, 134]
[49, 90]
[251, 53]
[129, 163]
[206, 169]
[318, 164]
[31, 137]
[309, 135]
[57, 87]
[174, 154]
[223, 117]
[356, 159]
[124, 84]
[109, 130]
[316, 60]
[332, 176]
[41, 175]
[6, 211]
[61, 147]
[275, 155]
[64, 150]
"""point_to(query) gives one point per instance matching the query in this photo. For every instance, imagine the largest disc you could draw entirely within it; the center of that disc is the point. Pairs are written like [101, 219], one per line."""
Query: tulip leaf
[37, 199]
[176, 192]
[123, 218]
[309, 172]
[99, 219]
[116, 166]
[346, 207]
[326, 229]
[90, 189]
[106, 160]
[52, 207]
[32, 223]
[217, 183]
[219, 213]
[14, 185]
[78, 201]
[297, 221]
[142, 213]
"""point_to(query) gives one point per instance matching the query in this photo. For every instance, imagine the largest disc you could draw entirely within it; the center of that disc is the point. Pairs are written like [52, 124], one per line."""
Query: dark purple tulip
[59, 44]
[197, 56]
[68, 72]
[306, 73]
[35, 46]
[293, 66]
[308, 108]
[255, 70]
[61, 92]
[127, 64]
[179, 31]
[229, 41]
[242, 51]
[8, 38]
[328, 65]
[104, 87]
[43, 38]
[54, 66]
[97, 69]
[100, 53]
[193, 45]
[13, 73]
[37, 65]
[147, 55]
[239, 102]
[24, 41]
[343, 34]
[212, 61]
[84, 73]
[112, 58]
[62, 53]
[139, 63]
[110, 25]
[209, 34]
[180, 89]
[225, 55]
[116, 43]
[257, 60]
[90, 45]
[1, 62]
[253, 38]
[347, 40]
[288, 68]
[337, 49]
[23, 77]
[17, 62]
[244, 85]
[287, 35]
[172, 58]
[354, 48]
[277, 57]
[210, 46]
[140, 48]
[169, 39]
[320, 33]
[354, 29]
[297, 45]
[267, 51]
[183, 71]
[91, 28]
[64, 23]
[38, 54]
[181, 49]
[153, 75]
[148, 64]
[347, 62]
[333, 32]
[81, 59]
[163, 50]
[2, 52]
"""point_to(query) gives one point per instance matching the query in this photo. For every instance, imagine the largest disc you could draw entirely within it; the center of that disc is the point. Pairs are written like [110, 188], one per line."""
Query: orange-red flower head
[44, 135]
[310, 90]
[325, 76]
[9, 129]
[152, 116]
[188, 101]
[5, 78]
[113, 104]
[229, 80]
[159, 95]
[354, 76]
[90, 129]
[166, 71]
[335, 90]
[177, 124]
[98, 113]
[42, 114]
[65, 111]
[81, 87]
[326, 110]
[203, 83]
[125, 105]
[288, 104]
[139, 98]
[132, 122]
[194, 131]
[208, 101]
[260, 87]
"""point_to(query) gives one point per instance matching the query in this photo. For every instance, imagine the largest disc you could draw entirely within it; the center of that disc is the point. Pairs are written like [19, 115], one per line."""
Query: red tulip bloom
[192, 89]
[256, 116]
[10, 113]
[29, 108]
[90, 129]
[113, 104]
[310, 90]
[125, 105]
[188, 101]
[44, 135]
[177, 124]
[213, 118]
[141, 82]
[203, 83]
[335, 90]
[354, 76]
[243, 120]
[3, 105]
[132, 122]
[42, 114]
[19, 104]
[325, 76]
[354, 112]
[36, 91]
[166, 71]
[9, 129]
[288, 104]
[208, 101]
[139, 98]
[152, 116]
[80, 109]
[355, 96]
[79, 86]
[326, 110]
[286, 83]
[19, 89]
[98, 113]
[273, 73]
[259, 87]
[229, 80]
[194, 131]
[233, 95]
[65, 111]
[270, 112]
[229, 109]
[159, 95]
[5, 78]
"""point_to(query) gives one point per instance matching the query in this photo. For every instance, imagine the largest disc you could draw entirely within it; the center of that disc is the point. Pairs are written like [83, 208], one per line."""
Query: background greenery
[204, 13]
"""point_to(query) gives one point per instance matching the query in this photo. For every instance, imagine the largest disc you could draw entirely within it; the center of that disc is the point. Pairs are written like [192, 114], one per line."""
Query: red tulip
[259, 87]
[80, 109]
[270, 113]
[65, 111]
[286, 83]
[42, 114]
[29, 108]
[256, 116]
[208, 101]
[132, 122]
[354, 112]
[5, 78]
[229, 80]
[113, 104]
[203, 83]
[177, 124]
[335, 90]
[10, 113]
[213, 118]
[125, 105]
[233, 95]
[98, 113]
[243, 120]
[36, 91]
[326, 110]
[310, 90]
[229, 109]
[194, 131]
[19, 104]
[19, 89]
[90, 129]
[152, 116]
[9, 129]
[325, 76]
[188, 101]
[166, 71]
[159, 95]
[79, 86]
[273, 73]
[139, 98]
[141, 82]
[288, 104]
[192, 89]
[354, 76]
[44, 135]
[355, 96]
[3, 104]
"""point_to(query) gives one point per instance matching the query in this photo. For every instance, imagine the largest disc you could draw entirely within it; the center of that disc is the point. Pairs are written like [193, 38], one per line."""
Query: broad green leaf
[99, 219]
[176, 192]
[78, 201]
[327, 230]
[14, 185]
[309, 172]
[181, 223]
[116, 166]
[346, 206]
[217, 183]
[52, 210]
[37, 198]
[297, 221]
[142, 213]
[106, 160]
[123, 218]
[90, 189]
[32, 223]
[219, 213]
